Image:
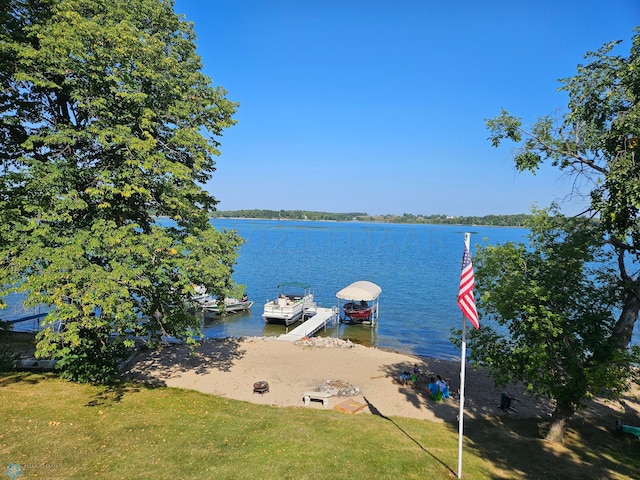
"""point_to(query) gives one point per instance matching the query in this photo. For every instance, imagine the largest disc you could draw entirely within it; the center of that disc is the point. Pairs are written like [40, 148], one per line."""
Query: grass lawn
[55, 429]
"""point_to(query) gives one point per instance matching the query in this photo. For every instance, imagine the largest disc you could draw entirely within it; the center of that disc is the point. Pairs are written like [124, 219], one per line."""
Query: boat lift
[362, 291]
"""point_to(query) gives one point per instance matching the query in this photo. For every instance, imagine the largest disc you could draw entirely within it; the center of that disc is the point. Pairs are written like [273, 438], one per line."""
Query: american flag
[465, 295]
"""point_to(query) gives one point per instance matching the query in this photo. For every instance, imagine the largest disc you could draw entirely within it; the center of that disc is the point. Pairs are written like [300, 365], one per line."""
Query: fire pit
[261, 387]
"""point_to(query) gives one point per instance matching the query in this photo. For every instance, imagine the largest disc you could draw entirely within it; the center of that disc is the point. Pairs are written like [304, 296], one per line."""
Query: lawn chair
[505, 402]
[621, 428]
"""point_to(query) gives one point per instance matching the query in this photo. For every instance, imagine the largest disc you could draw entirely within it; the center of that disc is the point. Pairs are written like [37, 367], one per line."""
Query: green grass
[56, 429]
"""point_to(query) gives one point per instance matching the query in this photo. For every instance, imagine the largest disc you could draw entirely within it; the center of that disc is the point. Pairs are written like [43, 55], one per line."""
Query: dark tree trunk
[559, 419]
[624, 326]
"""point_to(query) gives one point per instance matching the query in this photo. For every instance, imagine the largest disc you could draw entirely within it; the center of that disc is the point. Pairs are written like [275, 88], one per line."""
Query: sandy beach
[353, 373]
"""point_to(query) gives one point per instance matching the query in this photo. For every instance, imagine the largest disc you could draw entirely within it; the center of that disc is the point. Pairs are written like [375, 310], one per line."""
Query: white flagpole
[463, 355]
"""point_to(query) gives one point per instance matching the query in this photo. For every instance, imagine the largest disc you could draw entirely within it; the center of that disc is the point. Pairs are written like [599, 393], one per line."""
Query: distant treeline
[490, 220]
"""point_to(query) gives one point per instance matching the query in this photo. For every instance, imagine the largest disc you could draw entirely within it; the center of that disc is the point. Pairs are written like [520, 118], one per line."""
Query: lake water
[417, 267]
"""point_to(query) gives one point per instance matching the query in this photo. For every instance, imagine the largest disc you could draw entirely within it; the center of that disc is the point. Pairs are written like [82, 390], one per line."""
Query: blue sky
[379, 106]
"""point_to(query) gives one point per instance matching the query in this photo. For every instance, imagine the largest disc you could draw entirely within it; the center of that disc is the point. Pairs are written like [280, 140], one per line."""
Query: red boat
[362, 302]
[359, 311]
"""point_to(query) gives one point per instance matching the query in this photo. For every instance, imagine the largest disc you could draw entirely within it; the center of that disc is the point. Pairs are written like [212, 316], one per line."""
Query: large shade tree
[106, 124]
[548, 311]
[597, 141]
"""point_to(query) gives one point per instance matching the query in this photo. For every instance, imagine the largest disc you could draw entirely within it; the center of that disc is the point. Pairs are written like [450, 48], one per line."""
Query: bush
[95, 359]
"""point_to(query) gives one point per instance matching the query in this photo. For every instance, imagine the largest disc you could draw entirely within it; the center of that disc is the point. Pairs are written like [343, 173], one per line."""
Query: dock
[27, 324]
[27, 318]
[321, 319]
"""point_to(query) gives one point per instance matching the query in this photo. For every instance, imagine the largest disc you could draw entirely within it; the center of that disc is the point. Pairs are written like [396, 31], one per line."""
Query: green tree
[548, 312]
[596, 142]
[106, 121]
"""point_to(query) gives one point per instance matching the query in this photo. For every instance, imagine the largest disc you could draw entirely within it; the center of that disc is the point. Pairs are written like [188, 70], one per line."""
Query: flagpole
[463, 355]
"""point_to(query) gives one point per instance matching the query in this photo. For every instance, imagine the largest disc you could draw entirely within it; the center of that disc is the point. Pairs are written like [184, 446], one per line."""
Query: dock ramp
[324, 317]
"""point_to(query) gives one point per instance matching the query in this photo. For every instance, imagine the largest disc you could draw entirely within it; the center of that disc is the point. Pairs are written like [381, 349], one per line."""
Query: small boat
[212, 305]
[229, 305]
[293, 303]
[359, 311]
[362, 302]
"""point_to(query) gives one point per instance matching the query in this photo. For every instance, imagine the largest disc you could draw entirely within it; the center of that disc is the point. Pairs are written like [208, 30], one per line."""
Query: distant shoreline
[518, 220]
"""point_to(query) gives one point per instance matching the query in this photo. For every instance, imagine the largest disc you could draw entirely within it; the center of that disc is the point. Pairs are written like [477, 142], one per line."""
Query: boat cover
[360, 290]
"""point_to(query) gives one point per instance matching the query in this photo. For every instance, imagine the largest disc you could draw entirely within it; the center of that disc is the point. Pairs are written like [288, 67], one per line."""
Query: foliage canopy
[548, 310]
[569, 315]
[105, 122]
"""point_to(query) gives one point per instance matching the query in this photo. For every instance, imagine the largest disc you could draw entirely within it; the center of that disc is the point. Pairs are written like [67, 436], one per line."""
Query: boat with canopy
[362, 301]
[293, 303]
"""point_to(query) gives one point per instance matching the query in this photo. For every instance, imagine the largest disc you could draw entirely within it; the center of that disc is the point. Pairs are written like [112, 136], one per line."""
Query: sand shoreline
[229, 368]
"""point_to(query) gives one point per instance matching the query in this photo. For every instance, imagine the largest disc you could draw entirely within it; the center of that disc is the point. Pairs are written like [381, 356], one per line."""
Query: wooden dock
[324, 317]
